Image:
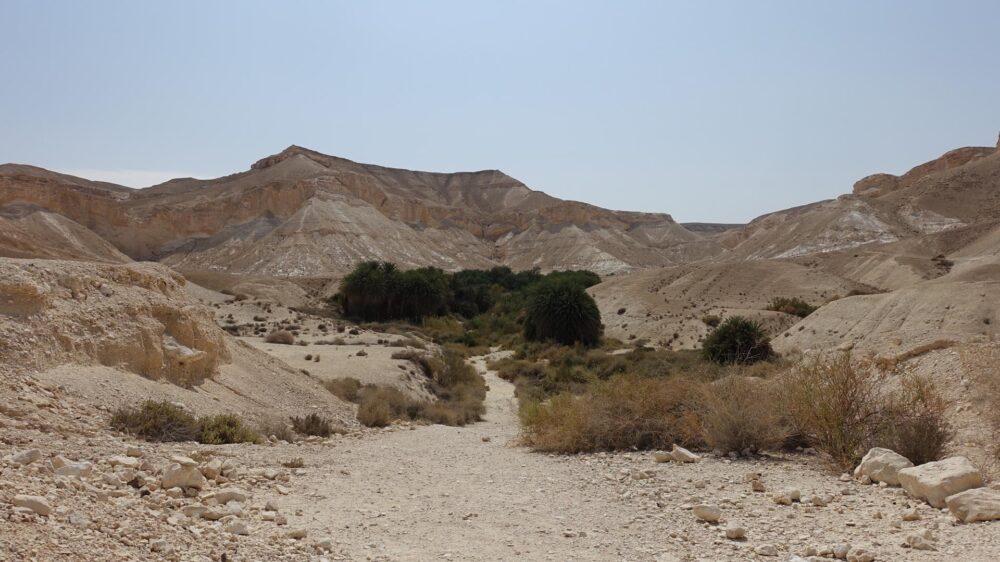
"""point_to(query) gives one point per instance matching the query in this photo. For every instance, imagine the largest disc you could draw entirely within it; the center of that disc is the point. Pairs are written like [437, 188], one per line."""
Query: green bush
[737, 340]
[225, 429]
[156, 421]
[563, 312]
[794, 306]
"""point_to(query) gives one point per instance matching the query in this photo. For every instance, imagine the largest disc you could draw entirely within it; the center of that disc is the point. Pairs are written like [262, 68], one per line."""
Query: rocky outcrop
[135, 317]
[880, 184]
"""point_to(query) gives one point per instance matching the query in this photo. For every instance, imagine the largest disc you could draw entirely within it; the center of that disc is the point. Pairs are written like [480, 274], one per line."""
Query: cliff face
[300, 213]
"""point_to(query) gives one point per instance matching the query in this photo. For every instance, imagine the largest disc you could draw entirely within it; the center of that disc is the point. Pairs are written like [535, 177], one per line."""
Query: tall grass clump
[224, 429]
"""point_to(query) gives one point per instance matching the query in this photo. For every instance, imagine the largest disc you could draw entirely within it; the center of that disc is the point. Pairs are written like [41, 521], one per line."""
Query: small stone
[38, 504]
[881, 465]
[860, 555]
[160, 546]
[212, 469]
[919, 542]
[840, 551]
[911, 515]
[26, 457]
[735, 532]
[680, 454]
[127, 462]
[230, 494]
[133, 452]
[236, 527]
[757, 486]
[706, 512]
[297, 534]
[766, 550]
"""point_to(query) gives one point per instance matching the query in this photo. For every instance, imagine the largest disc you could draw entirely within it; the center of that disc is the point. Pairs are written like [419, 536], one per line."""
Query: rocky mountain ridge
[303, 213]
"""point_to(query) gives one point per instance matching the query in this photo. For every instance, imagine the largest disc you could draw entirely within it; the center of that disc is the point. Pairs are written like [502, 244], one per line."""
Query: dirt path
[446, 492]
[440, 493]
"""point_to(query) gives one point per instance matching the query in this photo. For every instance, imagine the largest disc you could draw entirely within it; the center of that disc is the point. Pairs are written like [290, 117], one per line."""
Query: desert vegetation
[791, 305]
[458, 389]
[165, 422]
[577, 400]
[737, 340]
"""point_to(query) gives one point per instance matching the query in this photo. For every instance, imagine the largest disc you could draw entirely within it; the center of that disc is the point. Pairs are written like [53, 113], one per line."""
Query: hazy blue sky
[713, 111]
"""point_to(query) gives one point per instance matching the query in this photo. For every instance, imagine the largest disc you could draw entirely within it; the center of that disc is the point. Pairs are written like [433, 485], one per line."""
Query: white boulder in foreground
[935, 481]
[882, 465]
[977, 504]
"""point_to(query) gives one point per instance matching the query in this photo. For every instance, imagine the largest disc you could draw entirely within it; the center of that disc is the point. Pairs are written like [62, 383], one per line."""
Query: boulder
[977, 504]
[882, 465]
[935, 481]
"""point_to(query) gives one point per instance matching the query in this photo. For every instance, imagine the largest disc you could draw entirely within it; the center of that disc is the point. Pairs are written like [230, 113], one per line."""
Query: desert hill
[302, 213]
[919, 252]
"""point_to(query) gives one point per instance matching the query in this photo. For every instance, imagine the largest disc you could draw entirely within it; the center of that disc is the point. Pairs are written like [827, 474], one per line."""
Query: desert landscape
[632, 281]
[232, 298]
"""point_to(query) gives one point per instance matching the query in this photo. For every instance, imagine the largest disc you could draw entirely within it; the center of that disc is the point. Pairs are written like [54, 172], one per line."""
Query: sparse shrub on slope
[737, 340]
[563, 312]
[794, 306]
[345, 388]
[156, 421]
[280, 336]
[312, 424]
[224, 429]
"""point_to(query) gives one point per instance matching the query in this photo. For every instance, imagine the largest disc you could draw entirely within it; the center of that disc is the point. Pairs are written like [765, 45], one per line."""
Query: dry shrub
[156, 421]
[225, 429]
[407, 342]
[836, 406]
[280, 336]
[739, 413]
[297, 462]
[346, 388]
[383, 405]
[312, 424]
[624, 412]
[915, 425]
[427, 365]
[277, 429]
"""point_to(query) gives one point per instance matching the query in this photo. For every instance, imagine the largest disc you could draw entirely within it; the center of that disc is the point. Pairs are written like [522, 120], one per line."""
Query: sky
[710, 111]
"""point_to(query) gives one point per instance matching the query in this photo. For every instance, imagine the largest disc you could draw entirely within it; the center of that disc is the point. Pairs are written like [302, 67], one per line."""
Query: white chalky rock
[977, 504]
[680, 454]
[882, 465]
[766, 550]
[935, 481]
